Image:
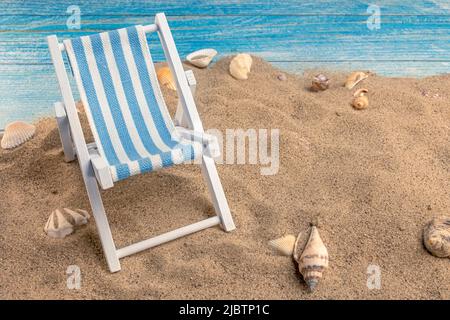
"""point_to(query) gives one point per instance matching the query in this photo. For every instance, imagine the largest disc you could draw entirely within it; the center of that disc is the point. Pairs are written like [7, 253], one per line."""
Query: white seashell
[240, 66]
[314, 259]
[58, 225]
[283, 245]
[16, 133]
[201, 58]
[436, 237]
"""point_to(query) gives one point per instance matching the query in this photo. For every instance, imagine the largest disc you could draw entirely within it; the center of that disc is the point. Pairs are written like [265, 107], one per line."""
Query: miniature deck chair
[131, 125]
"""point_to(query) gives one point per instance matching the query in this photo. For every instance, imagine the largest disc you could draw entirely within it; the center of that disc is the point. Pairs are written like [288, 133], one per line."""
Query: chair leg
[101, 220]
[64, 132]
[218, 196]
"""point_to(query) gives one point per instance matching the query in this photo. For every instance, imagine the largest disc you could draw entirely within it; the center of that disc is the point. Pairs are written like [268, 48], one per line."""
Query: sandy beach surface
[371, 179]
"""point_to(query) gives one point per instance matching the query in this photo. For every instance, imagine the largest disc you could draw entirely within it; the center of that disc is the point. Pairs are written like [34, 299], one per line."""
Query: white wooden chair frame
[94, 168]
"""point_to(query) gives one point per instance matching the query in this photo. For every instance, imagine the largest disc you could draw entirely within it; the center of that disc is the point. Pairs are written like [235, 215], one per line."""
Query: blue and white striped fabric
[127, 114]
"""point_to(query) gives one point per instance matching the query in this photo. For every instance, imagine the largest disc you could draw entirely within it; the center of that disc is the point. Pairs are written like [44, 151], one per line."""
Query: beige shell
[320, 83]
[283, 245]
[361, 101]
[79, 106]
[314, 259]
[240, 66]
[201, 58]
[166, 79]
[16, 133]
[355, 78]
[62, 222]
[436, 236]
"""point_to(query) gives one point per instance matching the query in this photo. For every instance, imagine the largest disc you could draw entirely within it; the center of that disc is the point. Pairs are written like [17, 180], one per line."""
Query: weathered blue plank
[295, 35]
[280, 38]
[223, 7]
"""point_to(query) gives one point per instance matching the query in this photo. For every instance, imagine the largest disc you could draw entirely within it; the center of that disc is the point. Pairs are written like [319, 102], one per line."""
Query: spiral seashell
[314, 259]
[283, 245]
[240, 66]
[436, 237]
[166, 79]
[355, 78]
[201, 58]
[62, 222]
[361, 101]
[16, 133]
[320, 83]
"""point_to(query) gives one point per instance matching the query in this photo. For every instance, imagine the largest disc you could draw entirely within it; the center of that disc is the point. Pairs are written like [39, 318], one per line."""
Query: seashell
[282, 77]
[361, 101]
[314, 259]
[16, 133]
[240, 66]
[79, 106]
[63, 221]
[436, 237]
[201, 58]
[166, 79]
[320, 83]
[283, 245]
[355, 78]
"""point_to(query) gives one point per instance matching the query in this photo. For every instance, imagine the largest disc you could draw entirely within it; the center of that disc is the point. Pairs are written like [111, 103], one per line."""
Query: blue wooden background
[414, 38]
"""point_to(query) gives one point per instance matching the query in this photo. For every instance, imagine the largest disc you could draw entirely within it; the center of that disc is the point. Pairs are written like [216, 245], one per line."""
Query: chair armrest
[101, 170]
[209, 142]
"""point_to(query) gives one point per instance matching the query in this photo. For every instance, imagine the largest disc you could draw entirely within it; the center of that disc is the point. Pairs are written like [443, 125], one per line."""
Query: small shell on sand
[201, 58]
[283, 245]
[166, 79]
[16, 133]
[314, 259]
[79, 106]
[282, 77]
[355, 78]
[63, 221]
[361, 101]
[240, 66]
[436, 237]
[320, 82]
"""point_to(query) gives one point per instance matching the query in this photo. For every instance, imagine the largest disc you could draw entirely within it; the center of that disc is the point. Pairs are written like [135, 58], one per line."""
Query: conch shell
[361, 101]
[62, 222]
[355, 78]
[240, 66]
[165, 78]
[436, 236]
[283, 245]
[320, 83]
[16, 133]
[314, 259]
[201, 58]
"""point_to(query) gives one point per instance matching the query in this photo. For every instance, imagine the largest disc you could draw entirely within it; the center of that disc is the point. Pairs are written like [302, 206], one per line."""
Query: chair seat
[184, 152]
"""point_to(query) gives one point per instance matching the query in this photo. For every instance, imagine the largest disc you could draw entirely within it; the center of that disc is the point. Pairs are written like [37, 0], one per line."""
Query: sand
[371, 179]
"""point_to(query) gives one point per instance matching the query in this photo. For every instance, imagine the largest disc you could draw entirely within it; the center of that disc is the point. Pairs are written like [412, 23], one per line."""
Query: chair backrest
[119, 89]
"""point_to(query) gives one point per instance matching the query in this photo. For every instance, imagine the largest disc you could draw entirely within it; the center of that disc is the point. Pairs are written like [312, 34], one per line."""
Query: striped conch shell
[62, 222]
[283, 245]
[320, 82]
[166, 79]
[314, 259]
[201, 58]
[240, 66]
[16, 133]
[361, 101]
[436, 236]
[355, 78]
